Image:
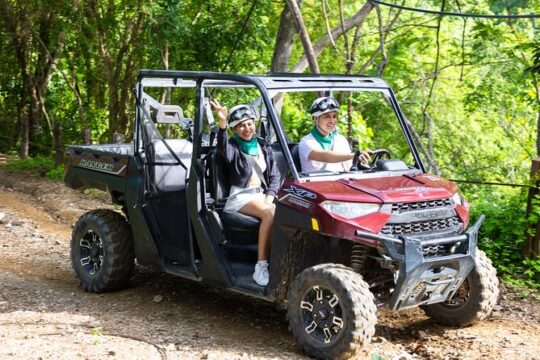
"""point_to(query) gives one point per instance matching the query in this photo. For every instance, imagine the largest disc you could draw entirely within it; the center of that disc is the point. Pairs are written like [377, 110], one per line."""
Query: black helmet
[323, 105]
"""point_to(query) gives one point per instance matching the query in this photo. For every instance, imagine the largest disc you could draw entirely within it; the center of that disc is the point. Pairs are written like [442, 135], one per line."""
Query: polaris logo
[430, 214]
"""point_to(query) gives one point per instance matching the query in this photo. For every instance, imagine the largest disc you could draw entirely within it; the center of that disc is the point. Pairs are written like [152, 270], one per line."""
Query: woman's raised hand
[222, 112]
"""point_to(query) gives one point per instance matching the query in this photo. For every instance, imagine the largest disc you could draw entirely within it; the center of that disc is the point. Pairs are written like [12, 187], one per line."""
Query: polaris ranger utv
[343, 243]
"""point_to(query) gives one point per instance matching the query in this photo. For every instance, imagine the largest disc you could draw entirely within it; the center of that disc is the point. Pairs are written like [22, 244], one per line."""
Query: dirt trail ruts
[44, 314]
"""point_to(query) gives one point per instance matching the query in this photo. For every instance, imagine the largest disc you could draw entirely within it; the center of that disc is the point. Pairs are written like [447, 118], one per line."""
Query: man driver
[323, 148]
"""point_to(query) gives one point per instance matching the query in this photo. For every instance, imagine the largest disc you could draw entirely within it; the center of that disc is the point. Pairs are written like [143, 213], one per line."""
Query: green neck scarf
[247, 146]
[325, 141]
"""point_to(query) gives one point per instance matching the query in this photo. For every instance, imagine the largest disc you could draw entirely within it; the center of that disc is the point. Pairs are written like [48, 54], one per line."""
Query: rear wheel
[473, 301]
[331, 311]
[102, 252]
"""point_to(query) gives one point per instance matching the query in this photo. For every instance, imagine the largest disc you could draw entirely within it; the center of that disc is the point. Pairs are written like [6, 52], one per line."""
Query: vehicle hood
[404, 188]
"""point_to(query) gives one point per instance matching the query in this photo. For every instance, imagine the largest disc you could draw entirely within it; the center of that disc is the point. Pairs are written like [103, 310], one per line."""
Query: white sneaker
[261, 273]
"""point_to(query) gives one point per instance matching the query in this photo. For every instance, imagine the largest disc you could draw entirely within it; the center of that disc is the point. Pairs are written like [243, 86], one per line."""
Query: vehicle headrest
[169, 114]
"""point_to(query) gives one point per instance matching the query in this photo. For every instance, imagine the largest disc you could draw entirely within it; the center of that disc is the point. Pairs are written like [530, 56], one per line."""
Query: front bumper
[421, 279]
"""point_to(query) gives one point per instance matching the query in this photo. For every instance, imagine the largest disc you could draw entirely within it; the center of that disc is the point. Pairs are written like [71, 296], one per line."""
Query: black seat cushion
[240, 229]
[239, 222]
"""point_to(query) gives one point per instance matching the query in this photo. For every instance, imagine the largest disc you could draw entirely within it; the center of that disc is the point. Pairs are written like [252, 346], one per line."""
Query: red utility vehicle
[343, 243]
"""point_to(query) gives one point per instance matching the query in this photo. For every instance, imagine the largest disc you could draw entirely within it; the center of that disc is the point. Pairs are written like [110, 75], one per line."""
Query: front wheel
[102, 253]
[473, 301]
[331, 312]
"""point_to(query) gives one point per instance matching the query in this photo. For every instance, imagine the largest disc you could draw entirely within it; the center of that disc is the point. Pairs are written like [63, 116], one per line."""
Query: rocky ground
[44, 314]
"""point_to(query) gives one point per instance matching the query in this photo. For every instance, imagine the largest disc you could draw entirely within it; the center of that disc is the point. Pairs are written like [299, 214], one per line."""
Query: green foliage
[32, 164]
[97, 334]
[503, 233]
[56, 173]
[36, 166]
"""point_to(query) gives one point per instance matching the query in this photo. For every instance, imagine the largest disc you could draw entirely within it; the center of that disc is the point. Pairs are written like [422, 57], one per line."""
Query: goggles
[240, 114]
[323, 105]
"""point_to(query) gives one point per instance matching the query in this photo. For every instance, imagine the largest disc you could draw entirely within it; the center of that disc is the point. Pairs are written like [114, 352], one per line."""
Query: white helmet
[323, 105]
[239, 114]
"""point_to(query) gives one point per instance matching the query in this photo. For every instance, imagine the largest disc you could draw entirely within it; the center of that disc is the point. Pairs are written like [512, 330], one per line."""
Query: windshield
[365, 119]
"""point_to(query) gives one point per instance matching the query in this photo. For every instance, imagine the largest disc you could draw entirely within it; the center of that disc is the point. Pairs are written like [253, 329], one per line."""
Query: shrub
[503, 233]
[36, 166]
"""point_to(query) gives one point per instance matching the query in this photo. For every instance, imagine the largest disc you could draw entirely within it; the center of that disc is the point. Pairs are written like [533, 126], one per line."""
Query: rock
[158, 298]
[2, 216]
[404, 356]
[17, 223]
[422, 334]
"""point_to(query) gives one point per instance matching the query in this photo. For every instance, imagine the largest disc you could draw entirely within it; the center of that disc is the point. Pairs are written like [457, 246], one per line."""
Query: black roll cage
[268, 85]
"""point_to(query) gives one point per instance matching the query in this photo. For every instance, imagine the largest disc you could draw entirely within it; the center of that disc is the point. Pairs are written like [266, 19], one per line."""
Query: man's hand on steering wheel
[361, 159]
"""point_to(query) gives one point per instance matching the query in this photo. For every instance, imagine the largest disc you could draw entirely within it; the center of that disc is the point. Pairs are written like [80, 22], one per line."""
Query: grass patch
[35, 166]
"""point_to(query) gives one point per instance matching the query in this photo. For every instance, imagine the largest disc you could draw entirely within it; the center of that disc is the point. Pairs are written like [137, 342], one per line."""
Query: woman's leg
[264, 212]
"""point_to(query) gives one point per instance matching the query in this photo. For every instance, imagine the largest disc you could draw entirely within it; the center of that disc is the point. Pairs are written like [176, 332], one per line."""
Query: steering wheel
[377, 155]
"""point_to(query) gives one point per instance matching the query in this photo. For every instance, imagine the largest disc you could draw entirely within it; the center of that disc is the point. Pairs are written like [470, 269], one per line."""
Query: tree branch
[327, 23]
[355, 20]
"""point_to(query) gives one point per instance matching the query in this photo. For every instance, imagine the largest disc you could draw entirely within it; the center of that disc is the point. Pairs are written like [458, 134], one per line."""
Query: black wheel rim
[322, 315]
[91, 252]
[460, 297]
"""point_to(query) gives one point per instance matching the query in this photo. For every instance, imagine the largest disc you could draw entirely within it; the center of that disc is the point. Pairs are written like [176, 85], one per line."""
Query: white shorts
[241, 196]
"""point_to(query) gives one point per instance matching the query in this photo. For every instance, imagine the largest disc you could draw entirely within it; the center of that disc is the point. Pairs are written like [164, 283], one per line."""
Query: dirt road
[44, 314]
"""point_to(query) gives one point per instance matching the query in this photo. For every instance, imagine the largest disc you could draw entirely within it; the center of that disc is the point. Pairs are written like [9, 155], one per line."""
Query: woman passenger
[253, 176]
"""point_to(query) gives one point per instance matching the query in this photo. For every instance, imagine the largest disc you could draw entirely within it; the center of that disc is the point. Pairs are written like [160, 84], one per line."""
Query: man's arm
[329, 156]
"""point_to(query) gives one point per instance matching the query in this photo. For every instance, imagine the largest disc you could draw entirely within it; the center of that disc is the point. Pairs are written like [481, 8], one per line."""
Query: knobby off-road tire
[102, 253]
[473, 301]
[331, 312]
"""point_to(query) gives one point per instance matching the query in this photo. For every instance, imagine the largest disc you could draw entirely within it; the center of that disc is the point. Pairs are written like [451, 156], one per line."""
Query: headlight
[457, 199]
[350, 210]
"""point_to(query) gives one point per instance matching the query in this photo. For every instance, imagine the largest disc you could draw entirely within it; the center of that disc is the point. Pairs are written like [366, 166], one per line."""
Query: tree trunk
[538, 134]
[25, 136]
[304, 36]
[86, 136]
[284, 41]
[119, 68]
[58, 151]
[531, 246]
[282, 51]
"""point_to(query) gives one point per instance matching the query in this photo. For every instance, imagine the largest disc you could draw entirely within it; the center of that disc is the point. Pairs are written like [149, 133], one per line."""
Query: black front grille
[421, 226]
[436, 250]
[422, 205]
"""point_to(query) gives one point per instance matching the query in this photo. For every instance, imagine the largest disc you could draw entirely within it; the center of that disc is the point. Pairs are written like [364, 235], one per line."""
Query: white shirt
[309, 143]
[255, 180]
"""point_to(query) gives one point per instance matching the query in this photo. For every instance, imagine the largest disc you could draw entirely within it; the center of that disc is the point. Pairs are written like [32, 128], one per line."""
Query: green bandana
[325, 141]
[247, 146]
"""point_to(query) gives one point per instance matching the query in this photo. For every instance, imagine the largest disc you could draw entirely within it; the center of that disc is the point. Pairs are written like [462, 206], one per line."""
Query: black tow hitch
[422, 280]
